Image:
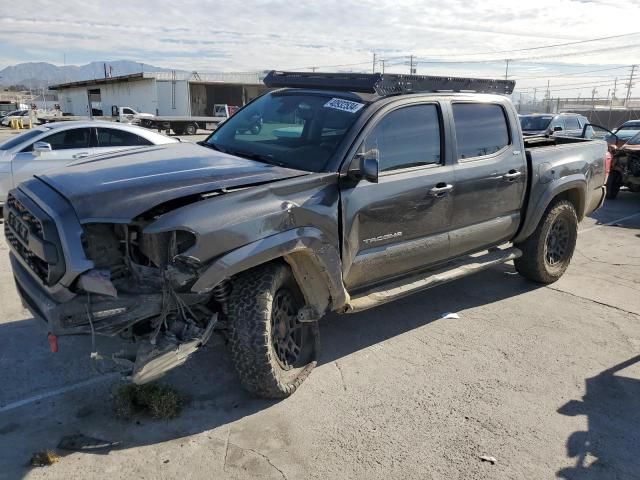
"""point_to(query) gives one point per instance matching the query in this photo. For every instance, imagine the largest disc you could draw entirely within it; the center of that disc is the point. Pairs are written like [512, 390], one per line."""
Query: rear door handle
[512, 175]
[440, 190]
[81, 155]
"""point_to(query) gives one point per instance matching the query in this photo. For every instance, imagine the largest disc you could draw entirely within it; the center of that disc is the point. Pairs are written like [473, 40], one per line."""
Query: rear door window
[571, 123]
[407, 137]
[481, 129]
[111, 137]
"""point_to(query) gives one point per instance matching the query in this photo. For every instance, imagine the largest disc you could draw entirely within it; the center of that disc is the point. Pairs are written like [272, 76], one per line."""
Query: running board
[452, 271]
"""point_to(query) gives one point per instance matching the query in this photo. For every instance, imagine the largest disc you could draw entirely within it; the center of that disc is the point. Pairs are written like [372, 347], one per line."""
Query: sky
[453, 37]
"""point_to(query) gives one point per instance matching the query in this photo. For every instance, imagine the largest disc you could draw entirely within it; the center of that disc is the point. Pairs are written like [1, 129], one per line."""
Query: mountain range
[41, 74]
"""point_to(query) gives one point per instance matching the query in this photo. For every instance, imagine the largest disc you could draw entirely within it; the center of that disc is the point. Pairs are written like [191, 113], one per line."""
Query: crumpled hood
[119, 186]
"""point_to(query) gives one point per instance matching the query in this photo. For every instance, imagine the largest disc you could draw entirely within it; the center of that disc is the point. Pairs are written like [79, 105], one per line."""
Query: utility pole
[548, 95]
[411, 71]
[506, 70]
[373, 70]
[382, 64]
[630, 84]
[313, 69]
[593, 98]
[535, 91]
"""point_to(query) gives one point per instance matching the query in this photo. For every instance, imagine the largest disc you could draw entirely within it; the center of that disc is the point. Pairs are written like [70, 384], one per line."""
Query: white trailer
[187, 124]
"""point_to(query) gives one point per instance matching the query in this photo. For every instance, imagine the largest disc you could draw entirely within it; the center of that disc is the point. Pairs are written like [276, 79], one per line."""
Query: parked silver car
[56, 144]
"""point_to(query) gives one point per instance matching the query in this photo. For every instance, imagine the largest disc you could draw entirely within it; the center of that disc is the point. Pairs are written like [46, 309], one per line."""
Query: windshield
[289, 129]
[635, 140]
[17, 140]
[535, 123]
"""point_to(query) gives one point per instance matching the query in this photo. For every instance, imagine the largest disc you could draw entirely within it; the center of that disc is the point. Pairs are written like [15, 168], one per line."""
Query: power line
[558, 55]
[578, 42]
[572, 73]
[584, 84]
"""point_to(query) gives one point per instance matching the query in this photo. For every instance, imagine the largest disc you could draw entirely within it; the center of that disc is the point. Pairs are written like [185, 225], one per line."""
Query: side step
[452, 271]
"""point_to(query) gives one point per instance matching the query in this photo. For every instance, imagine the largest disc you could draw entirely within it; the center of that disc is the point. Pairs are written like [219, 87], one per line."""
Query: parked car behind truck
[56, 144]
[560, 124]
[379, 188]
[625, 168]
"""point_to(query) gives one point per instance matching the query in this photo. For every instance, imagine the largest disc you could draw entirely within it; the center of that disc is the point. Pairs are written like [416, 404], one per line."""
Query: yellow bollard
[21, 124]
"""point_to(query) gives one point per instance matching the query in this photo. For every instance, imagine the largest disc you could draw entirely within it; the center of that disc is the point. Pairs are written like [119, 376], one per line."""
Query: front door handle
[440, 190]
[512, 175]
[81, 155]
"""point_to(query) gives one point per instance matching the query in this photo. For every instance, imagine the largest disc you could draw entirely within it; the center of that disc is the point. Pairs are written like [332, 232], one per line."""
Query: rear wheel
[190, 129]
[614, 182]
[272, 351]
[546, 254]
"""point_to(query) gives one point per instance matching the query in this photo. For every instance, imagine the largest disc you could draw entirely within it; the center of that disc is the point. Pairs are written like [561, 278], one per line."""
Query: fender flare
[555, 188]
[315, 262]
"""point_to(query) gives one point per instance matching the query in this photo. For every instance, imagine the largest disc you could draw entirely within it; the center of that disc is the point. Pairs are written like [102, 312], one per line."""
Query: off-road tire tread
[531, 264]
[249, 342]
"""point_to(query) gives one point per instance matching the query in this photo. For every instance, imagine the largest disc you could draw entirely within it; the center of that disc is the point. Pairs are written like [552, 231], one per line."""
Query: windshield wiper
[213, 146]
[256, 156]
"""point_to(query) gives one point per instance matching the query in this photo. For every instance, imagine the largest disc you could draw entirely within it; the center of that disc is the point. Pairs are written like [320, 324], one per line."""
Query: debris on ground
[486, 458]
[450, 316]
[158, 401]
[44, 459]
[81, 443]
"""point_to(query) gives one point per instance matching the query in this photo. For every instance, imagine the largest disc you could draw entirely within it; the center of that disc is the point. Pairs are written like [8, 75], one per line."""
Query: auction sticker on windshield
[344, 105]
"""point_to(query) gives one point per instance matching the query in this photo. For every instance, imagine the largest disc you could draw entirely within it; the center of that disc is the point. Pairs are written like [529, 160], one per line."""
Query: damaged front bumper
[105, 315]
[109, 316]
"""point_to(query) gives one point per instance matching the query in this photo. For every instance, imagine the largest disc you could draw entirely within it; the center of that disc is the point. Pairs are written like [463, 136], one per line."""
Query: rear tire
[546, 254]
[271, 350]
[190, 129]
[613, 185]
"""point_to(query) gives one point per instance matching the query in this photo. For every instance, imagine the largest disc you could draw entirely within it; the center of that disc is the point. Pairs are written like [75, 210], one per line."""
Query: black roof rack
[386, 83]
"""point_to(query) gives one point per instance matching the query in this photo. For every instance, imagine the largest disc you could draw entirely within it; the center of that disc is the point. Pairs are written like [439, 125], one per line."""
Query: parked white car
[55, 144]
[24, 114]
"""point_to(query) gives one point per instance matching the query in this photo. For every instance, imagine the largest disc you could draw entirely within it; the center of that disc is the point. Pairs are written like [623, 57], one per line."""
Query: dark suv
[560, 124]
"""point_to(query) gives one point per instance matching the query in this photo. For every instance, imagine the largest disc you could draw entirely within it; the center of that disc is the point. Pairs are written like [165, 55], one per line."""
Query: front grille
[34, 238]
[17, 233]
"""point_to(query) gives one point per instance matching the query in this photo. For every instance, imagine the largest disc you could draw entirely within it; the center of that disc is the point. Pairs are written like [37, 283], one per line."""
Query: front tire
[271, 350]
[546, 254]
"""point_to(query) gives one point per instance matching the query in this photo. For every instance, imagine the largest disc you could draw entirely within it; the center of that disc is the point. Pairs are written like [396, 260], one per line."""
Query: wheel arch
[572, 188]
[314, 261]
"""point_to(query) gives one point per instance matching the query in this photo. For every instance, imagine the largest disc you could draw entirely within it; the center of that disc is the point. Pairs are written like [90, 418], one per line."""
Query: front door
[401, 223]
[490, 177]
[66, 146]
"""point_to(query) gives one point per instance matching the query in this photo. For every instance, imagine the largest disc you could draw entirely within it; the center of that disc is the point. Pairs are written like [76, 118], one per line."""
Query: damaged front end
[139, 290]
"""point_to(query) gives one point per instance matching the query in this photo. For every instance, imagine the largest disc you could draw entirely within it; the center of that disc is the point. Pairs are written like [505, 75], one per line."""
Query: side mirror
[365, 166]
[557, 128]
[41, 147]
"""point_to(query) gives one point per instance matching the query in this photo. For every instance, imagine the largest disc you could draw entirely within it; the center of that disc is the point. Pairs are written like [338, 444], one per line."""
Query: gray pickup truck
[358, 190]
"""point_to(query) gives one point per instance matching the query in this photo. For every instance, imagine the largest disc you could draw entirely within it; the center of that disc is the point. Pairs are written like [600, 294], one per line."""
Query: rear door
[490, 176]
[572, 127]
[114, 139]
[67, 145]
[401, 223]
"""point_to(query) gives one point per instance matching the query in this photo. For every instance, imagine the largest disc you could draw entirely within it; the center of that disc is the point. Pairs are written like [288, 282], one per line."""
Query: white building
[160, 93]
